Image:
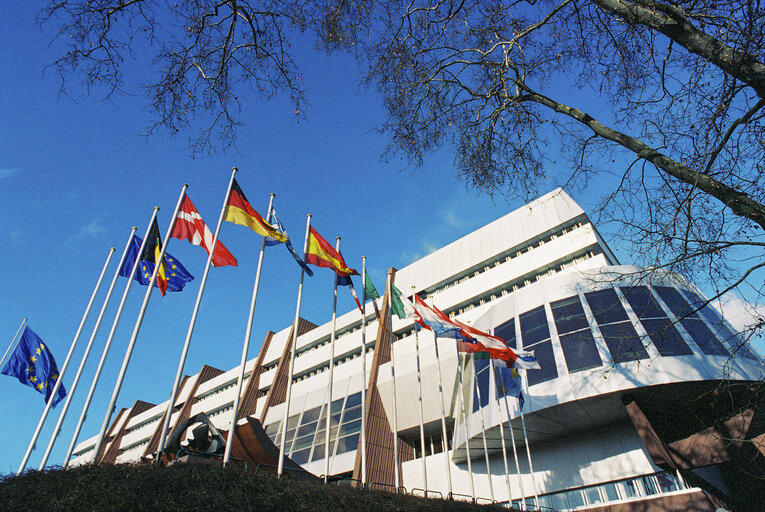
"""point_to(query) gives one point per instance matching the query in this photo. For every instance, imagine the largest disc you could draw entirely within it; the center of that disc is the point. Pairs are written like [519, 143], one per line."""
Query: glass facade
[657, 324]
[536, 336]
[620, 336]
[306, 432]
[575, 335]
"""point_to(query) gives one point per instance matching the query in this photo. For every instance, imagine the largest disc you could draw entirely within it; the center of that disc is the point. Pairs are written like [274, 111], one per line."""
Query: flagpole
[194, 312]
[246, 344]
[501, 431]
[422, 419]
[483, 427]
[61, 373]
[108, 344]
[331, 373]
[515, 452]
[528, 451]
[444, 435]
[137, 326]
[86, 354]
[280, 466]
[13, 341]
[463, 409]
[396, 475]
[363, 370]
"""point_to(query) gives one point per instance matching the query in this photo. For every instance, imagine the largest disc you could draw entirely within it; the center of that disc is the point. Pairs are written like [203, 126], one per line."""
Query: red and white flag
[190, 226]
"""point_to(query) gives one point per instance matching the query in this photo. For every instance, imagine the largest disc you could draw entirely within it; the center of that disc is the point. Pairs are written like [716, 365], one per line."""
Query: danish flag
[190, 226]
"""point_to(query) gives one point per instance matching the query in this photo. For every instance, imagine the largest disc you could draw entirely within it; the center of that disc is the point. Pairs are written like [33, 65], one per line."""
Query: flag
[371, 293]
[150, 254]
[239, 211]
[33, 364]
[470, 339]
[397, 302]
[508, 382]
[190, 226]
[177, 275]
[321, 254]
[287, 243]
[434, 319]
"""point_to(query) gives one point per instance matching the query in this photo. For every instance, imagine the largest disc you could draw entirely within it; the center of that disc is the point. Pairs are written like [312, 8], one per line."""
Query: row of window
[646, 485]
[612, 322]
[473, 272]
[506, 256]
[306, 432]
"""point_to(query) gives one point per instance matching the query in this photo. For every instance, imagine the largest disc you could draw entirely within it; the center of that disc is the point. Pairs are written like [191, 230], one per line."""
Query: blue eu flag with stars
[176, 274]
[33, 364]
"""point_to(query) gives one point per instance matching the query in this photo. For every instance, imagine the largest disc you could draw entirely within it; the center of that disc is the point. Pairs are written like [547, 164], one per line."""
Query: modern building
[646, 399]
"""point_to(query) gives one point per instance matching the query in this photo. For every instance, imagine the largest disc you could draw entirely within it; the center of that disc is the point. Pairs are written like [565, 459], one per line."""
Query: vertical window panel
[623, 342]
[666, 338]
[579, 351]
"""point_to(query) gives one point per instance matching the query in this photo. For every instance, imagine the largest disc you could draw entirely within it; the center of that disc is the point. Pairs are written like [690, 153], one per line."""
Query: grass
[198, 487]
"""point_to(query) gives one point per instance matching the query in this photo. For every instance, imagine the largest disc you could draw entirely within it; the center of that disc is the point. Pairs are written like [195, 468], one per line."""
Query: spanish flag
[239, 211]
[321, 254]
[151, 252]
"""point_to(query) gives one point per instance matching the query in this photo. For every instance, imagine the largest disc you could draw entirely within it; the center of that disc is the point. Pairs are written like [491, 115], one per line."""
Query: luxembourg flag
[432, 318]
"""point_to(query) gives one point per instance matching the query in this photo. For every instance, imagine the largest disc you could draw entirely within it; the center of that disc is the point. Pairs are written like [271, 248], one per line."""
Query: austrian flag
[190, 226]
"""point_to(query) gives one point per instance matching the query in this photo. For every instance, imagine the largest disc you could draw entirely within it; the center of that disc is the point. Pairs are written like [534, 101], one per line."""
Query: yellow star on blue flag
[33, 365]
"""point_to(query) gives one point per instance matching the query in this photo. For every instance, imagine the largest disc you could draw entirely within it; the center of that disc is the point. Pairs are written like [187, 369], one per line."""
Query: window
[481, 388]
[695, 326]
[576, 338]
[506, 331]
[720, 327]
[620, 336]
[663, 334]
[536, 337]
[667, 482]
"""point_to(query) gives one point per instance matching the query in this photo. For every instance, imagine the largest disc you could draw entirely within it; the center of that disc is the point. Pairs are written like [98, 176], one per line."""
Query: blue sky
[76, 174]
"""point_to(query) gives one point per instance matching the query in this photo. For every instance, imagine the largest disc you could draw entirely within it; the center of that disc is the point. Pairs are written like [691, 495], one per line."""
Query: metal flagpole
[463, 409]
[192, 321]
[363, 370]
[331, 373]
[443, 417]
[246, 344]
[137, 326]
[13, 341]
[63, 369]
[396, 475]
[422, 419]
[86, 354]
[515, 453]
[280, 467]
[108, 344]
[501, 430]
[528, 452]
[483, 428]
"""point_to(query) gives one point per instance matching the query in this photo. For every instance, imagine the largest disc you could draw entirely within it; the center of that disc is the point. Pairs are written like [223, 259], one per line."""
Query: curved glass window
[481, 363]
[620, 336]
[695, 326]
[536, 338]
[576, 339]
[656, 323]
[719, 326]
[506, 331]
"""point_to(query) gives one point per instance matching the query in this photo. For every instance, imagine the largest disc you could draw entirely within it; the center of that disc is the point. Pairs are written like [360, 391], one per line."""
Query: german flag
[322, 254]
[151, 252]
[239, 211]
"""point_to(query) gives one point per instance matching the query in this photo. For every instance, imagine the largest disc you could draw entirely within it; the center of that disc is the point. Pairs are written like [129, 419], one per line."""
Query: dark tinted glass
[676, 302]
[579, 351]
[544, 354]
[569, 315]
[623, 342]
[534, 326]
[481, 389]
[642, 302]
[606, 306]
[703, 337]
[506, 331]
[666, 338]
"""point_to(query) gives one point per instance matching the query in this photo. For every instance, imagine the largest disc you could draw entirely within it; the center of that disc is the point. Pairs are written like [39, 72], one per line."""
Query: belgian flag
[150, 254]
